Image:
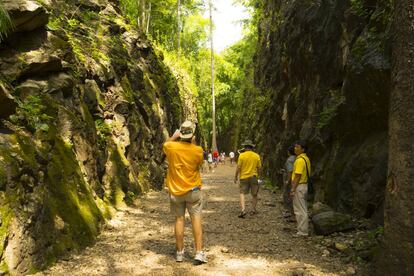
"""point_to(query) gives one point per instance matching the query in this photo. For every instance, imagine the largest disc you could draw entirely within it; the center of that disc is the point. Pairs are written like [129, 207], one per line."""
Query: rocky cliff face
[85, 103]
[325, 68]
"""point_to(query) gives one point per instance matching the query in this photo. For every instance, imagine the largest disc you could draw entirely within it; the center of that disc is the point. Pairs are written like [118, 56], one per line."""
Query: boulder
[326, 223]
[7, 103]
[26, 15]
[319, 207]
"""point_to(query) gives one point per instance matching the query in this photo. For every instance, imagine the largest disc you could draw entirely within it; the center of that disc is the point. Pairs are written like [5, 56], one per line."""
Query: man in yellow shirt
[248, 171]
[299, 191]
[184, 184]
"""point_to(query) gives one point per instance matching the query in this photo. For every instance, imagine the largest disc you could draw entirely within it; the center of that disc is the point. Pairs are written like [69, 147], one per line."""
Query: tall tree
[398, 254]
[213, 139]
[178, 27]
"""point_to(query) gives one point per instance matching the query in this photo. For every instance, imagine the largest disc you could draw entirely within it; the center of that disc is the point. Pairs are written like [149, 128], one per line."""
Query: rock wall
[324, 67]
[86, 103]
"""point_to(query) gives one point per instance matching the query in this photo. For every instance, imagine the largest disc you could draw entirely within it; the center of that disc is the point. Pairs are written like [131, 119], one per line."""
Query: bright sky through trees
[226, 19]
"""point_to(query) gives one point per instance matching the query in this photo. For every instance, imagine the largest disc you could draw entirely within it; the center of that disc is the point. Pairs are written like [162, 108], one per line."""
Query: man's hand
[235, 181]
[176, 134]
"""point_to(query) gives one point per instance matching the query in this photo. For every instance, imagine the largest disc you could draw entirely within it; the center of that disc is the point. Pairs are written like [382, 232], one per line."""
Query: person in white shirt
[231, 155]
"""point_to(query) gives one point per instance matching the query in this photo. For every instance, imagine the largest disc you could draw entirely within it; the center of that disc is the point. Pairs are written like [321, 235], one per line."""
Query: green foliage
[163, 27]
[32, 114]
[5, 215]
[5, 23]
[377, 233]
[330, 110]
[103, 131]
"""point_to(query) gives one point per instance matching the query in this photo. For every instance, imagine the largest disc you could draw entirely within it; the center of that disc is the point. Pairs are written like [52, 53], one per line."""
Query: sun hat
[248, 143]
[187, 130]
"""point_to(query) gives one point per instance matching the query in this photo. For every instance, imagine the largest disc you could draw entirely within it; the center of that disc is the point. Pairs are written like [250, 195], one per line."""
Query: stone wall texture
[86, 103]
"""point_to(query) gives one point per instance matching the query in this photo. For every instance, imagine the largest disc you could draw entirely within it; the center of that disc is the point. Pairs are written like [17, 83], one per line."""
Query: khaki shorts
[192, 201]
[249, 185]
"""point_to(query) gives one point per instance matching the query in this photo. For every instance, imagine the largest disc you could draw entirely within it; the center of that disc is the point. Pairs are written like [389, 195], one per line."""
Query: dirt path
[139, 241]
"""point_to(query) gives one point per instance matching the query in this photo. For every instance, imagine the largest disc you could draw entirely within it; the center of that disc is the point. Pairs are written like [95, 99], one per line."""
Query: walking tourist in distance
[248, 171]
[215, 158]
[231, 155]
[299, 189]
[287, 181]
[184, 185]
[210, 161]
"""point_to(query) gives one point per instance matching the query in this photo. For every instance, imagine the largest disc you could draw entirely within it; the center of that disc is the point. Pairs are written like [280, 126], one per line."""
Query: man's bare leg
[197, 232]
[242, 202]
[254, 202]
[179, 233]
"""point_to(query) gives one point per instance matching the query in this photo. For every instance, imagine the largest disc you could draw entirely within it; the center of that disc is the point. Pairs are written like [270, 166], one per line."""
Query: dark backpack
[310, 181]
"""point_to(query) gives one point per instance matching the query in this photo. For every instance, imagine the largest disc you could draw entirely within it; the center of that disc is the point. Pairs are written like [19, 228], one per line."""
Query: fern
[5, 23]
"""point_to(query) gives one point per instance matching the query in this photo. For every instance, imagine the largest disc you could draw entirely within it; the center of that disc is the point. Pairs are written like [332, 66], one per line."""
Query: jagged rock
[92, 95]
[349, 80]
[33, 63]
[7, 103]
[59, 83]
[39, 62]
[26, 15]
[81, 152]
[329, 222]
[95, 5]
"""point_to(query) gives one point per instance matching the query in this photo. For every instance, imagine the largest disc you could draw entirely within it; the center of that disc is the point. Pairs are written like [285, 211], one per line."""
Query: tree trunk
[178, 27]
[398, 255]
[148, 18]
[213, 139]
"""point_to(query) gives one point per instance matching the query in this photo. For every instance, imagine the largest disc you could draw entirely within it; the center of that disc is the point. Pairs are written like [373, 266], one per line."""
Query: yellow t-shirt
[249, 162]
[184, 160]
[299, 167]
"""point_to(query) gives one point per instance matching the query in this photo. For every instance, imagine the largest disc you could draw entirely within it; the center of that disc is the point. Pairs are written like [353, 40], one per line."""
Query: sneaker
[200, 258]
[179, 256]
[242, 215]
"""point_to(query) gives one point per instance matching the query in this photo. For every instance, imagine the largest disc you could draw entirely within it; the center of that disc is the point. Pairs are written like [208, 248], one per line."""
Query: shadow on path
[140, 241]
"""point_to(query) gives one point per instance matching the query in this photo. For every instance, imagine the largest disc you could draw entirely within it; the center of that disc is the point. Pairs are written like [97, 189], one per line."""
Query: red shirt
[215, 154]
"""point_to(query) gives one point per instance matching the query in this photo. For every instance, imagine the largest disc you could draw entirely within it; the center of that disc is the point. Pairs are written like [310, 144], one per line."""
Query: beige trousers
[300, 207]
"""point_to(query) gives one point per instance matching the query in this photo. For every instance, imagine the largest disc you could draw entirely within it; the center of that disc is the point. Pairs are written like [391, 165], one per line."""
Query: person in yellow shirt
[183, 180]
[299, 191]
[248, 171]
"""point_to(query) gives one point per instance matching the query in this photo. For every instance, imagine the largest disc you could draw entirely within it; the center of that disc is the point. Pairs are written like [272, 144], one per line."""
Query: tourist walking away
[287, 181]
[248, 171]
[205, 162]
[223, 158]
[231, 155]
[215, 158]
[184, 185]
[210, 161]
[299, 189]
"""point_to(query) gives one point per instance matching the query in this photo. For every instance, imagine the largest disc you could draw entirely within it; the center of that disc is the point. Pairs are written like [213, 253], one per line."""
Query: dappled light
[140, 240]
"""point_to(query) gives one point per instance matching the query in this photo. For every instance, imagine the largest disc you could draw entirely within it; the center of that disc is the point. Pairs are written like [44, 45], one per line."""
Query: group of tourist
[184, 183]
[212, 158]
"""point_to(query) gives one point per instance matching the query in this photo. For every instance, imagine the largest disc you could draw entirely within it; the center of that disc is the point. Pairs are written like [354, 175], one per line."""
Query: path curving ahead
[140, 241]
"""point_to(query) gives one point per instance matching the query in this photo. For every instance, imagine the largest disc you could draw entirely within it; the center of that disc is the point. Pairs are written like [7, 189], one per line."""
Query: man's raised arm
[174, 137]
